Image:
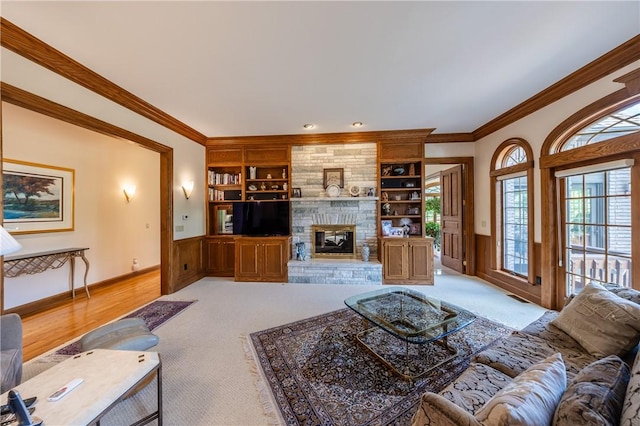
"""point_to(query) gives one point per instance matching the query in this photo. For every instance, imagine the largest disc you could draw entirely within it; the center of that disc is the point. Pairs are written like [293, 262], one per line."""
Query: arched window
[619, 123]
[512, 207]
[589, 166]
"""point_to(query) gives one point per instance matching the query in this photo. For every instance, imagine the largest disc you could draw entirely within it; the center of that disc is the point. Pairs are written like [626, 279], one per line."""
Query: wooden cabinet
[401, 182]
[262, 258]
[220, 252]
[237, 174]
[407, 260]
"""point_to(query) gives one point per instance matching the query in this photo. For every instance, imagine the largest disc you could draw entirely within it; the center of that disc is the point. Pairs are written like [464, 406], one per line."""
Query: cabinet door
[274, 265]
[396, 262]
[421, 261]
[220, 257]
[247, 264]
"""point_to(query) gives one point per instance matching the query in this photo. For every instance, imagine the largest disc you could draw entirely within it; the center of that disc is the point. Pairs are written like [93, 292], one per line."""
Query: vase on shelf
[366, 251]
[252, 172]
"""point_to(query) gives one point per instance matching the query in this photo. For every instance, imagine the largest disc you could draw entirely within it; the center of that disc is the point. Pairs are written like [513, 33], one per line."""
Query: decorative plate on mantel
[333, 190]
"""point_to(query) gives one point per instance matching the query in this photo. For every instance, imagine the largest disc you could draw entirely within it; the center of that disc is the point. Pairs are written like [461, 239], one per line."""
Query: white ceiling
[262, 68]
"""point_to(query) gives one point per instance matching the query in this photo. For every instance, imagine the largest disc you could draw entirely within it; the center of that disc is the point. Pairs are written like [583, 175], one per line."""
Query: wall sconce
[129, 191]
[8, 244]
[187, 188]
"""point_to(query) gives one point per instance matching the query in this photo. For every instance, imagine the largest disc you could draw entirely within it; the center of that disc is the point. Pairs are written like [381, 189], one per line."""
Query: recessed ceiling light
[308, 126]
[357, 124]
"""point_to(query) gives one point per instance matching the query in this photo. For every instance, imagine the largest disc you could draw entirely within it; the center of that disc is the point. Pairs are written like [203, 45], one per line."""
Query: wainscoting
[504, 280]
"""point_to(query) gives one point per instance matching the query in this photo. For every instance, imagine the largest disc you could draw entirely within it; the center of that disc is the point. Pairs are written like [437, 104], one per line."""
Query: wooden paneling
[450, 137]
[188, 256]
[35, 50]
[400, 150]
[395, 259]
[262, 156]
[224, 156]
[502, 279]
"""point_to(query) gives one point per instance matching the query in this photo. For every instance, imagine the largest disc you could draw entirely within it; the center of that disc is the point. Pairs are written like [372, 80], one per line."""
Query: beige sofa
[578, 366]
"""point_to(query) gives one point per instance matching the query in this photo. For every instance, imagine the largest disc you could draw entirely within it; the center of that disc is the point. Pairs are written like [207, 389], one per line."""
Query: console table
[34, 263]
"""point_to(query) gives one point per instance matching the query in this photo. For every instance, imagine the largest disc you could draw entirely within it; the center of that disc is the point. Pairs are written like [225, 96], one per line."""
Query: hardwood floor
[46, 330]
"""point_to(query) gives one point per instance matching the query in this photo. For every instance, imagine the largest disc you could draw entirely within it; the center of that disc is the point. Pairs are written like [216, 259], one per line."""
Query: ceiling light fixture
[308, 126]
[357, 124]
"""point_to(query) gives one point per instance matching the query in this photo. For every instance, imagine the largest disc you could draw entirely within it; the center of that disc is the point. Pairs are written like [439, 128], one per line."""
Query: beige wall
[534, 129]
[115, 231]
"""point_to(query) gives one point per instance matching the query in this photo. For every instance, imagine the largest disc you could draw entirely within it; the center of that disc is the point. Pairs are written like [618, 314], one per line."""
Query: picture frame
[415, 228]
[333, 177]
[396, 231]
[386, 227]
[38, 198]
[296, 192]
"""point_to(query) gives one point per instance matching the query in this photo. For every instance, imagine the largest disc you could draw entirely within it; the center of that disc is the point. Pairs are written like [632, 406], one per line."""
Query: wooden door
[396, 259]
[451, 213]
[421, 260]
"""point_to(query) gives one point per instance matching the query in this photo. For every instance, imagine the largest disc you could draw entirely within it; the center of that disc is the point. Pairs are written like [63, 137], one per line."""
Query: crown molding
[325, 138]
[606, 64]
[24, 44]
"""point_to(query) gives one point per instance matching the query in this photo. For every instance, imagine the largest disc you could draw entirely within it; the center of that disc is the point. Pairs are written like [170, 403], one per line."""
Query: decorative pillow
[603, 323]
[530, 399]
[631, 407]
[595, 396]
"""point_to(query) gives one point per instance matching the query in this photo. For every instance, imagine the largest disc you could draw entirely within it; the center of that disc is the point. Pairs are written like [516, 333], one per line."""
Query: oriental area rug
[154, 315]
[318, 374]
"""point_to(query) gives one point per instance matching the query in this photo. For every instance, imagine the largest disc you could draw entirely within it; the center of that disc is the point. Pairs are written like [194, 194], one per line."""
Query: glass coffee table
[406, 318]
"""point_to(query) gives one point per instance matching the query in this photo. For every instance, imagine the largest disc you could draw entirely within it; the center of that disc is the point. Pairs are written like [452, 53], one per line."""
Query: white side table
[108, 376]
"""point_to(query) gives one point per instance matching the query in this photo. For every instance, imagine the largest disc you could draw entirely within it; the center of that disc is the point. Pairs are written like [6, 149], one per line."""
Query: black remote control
[5, 409]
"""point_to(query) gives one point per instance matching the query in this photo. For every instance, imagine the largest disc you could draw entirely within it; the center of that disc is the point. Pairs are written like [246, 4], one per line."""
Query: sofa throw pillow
[603, 323]
[595, 395]
[631, 406]
[529, 399]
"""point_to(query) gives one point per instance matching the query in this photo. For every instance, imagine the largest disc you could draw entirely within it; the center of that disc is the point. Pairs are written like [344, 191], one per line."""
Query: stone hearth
[335, 271]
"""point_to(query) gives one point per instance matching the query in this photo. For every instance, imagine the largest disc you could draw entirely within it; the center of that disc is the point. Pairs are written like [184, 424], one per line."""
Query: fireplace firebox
[333, 241]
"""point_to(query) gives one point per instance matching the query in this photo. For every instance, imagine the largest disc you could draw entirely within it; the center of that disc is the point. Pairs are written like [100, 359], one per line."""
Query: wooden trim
[631, 80]
[498, 156]
[592, 112]
[619, 146]
[24, 99]
[43, 106]
[65, 297]
[450, 137]
[612, 61]
[26, 45]
[324, 138]
[469, 206]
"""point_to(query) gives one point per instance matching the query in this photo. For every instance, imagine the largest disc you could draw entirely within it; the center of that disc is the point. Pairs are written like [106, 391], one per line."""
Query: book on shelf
[215, 178]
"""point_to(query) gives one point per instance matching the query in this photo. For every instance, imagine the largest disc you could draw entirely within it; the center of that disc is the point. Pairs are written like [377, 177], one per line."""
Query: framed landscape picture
[37, 198]
[333, 177]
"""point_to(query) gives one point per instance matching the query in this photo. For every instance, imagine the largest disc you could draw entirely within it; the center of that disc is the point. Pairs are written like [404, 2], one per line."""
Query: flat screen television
[261, 218]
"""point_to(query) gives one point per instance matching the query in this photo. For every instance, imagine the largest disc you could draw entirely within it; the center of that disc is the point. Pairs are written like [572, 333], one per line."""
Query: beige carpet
[207, 378]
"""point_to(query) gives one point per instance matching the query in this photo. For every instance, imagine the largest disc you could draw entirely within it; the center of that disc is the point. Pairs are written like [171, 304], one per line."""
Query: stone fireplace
[333, 241]
[315, 208]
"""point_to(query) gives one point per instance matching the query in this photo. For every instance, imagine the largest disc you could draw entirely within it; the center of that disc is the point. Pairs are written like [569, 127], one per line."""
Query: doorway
[449, 216]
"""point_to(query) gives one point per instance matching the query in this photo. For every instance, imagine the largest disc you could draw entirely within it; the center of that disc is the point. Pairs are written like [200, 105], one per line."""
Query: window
[512, 180]
[589, 167]
[597, 228]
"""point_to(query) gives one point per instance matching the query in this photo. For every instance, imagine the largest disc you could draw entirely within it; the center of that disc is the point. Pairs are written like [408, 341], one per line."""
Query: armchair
[10, 351]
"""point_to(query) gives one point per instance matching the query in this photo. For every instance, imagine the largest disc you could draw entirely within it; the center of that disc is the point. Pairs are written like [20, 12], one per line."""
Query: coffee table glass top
[410, 315]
